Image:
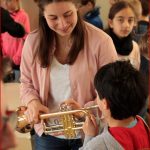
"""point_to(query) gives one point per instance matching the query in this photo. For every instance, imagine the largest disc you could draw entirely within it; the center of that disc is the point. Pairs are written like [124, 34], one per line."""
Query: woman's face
[123, 22]
[61, 17]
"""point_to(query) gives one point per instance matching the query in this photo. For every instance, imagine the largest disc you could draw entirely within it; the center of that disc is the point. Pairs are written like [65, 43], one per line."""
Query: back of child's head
[123, 87]
[117, 7]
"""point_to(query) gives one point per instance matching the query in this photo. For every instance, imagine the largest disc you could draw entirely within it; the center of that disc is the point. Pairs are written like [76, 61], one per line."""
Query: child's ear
[110, 23]
[105, 104]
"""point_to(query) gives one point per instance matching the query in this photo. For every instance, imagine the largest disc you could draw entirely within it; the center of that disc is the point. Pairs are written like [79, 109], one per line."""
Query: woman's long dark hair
[47, 36]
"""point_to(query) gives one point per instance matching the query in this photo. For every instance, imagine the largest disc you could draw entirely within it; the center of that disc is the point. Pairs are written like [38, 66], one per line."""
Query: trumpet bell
[23, 126]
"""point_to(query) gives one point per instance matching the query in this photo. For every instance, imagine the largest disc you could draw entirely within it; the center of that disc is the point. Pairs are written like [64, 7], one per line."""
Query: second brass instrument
[69, 121]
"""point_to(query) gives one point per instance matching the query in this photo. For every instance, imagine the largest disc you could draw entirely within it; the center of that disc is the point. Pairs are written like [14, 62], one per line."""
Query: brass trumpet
[69, 121]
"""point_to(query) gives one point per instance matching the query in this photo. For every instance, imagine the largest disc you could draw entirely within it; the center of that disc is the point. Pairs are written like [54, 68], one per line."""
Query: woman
[59, 61]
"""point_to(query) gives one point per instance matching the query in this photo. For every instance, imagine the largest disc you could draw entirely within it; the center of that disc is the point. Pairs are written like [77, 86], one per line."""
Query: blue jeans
[48, 142]
[17, 75]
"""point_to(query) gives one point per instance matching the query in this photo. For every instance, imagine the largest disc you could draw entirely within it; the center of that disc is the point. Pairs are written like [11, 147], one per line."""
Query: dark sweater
[9, 25]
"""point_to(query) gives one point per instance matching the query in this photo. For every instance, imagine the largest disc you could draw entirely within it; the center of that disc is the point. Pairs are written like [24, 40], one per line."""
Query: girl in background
[12, 46]
[121, 23]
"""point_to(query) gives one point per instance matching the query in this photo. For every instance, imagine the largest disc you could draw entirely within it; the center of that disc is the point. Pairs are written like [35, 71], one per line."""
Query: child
[121, 22]
[11, 46]
[90, 12]
[122, 92]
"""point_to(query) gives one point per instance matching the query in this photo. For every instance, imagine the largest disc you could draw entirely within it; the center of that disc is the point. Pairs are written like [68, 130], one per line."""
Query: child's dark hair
[118, 6]
[123, 87]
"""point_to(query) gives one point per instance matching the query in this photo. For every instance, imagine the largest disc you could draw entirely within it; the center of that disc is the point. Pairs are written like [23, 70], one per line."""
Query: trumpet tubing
[70, 122]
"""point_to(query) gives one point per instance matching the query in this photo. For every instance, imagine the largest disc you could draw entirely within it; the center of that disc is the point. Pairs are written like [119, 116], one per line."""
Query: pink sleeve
[27, 88]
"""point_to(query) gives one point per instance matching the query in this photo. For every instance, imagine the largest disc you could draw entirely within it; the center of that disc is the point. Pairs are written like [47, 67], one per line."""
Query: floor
[11, 95]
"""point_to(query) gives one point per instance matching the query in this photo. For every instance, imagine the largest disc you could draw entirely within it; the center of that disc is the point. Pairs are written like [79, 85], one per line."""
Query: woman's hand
[90, 126]
[95, 111]
[71, 104]
[90, 103]
[34, 108]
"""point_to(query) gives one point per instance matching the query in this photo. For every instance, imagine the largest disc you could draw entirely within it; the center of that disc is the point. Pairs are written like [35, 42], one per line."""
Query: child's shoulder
[142, 121]
[105, 140]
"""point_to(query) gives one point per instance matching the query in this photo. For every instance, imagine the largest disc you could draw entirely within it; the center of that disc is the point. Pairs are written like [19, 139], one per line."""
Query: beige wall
[104, 4]
[31, 8]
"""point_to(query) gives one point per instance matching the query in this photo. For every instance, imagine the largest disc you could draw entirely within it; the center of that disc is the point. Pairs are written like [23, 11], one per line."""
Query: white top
[60, 89]
[60, 82]
[134, 56]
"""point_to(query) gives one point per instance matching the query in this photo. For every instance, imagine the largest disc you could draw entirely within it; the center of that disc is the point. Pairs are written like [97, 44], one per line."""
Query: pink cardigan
[35, 81]
[12, 46]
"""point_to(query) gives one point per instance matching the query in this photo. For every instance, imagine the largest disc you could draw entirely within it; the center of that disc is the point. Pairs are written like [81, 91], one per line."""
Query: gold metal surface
[71, 120]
